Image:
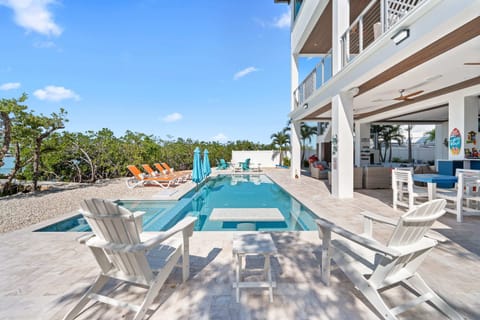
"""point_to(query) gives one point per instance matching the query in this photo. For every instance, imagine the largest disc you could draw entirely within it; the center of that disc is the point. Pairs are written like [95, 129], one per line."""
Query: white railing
[314, 80]
[377, 17]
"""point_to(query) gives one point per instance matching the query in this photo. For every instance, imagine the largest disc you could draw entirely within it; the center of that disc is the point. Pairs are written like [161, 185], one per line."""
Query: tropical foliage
[281, 141]
[44, 151]
[383, 137]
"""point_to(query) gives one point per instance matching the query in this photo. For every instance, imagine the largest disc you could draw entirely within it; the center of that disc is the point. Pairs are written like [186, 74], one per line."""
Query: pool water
[224, 191]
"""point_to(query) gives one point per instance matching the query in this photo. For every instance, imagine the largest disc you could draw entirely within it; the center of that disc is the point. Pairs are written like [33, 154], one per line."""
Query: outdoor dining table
[432, 180]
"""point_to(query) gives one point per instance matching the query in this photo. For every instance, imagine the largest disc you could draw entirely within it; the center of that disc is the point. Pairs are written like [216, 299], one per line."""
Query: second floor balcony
[369, 20]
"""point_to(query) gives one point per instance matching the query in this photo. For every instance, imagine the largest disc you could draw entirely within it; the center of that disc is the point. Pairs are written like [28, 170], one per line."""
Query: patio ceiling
[436, 72]
[320, 39]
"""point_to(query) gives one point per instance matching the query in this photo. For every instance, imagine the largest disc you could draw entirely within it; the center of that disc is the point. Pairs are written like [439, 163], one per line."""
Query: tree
[37, 128]
[306, 133]
[430, 135]
[10, 109]
[409, 141]
[281, 140]
[387, 133]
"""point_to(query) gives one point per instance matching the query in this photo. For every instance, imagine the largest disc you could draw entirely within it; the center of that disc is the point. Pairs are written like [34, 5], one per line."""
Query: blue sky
[208, 70]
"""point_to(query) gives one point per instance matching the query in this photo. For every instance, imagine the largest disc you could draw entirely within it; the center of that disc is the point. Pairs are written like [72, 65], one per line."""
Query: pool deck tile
[43, 274]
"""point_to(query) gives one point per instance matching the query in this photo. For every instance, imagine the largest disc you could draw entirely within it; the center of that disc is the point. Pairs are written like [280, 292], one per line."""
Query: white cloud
[173, 117]
[220, 137]
[10, 86]
[33, 15]
[283, 21]
[244, 72]
[55, 93]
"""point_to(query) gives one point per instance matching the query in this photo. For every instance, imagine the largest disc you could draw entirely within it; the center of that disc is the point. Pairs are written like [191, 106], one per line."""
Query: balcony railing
[315, 79]
[377, 17]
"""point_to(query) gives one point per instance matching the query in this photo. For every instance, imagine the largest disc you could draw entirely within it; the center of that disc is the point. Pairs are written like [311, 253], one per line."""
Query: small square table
[253, 244]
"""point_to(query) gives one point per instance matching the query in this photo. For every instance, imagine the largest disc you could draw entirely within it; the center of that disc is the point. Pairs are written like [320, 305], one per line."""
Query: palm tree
[386, 134]
[280, 139]
[430, 135]
[306, 133]
[409, 140]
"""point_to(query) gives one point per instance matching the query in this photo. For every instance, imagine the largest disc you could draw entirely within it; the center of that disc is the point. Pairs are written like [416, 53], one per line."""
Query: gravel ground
[22, 210]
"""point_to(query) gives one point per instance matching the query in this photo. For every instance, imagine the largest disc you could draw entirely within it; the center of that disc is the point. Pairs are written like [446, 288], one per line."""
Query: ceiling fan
[472, 63]
[407, 97]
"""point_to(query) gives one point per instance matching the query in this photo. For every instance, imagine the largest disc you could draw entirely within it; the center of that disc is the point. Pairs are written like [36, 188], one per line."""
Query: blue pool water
[224, 191]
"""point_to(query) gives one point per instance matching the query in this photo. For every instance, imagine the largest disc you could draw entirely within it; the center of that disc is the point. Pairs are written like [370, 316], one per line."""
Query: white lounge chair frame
[120, 247]
[372, 266]
[463, 196]
[402, 185]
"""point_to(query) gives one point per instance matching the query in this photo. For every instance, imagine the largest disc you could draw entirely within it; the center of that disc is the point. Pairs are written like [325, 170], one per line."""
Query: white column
[295, 164]
[462, 115]
[441, 133]
[456, 120]
[362, 144]
[471, 123]
[342, 111]
[342, 145]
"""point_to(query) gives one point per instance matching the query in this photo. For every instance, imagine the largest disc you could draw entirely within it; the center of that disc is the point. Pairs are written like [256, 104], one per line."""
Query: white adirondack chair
[465, 194]
[372, 266]
[402, 185]
[120, 248]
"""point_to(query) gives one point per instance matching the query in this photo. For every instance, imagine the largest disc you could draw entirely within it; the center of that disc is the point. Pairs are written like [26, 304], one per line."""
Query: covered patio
[43, 274]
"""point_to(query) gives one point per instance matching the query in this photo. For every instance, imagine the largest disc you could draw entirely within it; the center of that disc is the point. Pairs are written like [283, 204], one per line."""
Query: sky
[206, 70]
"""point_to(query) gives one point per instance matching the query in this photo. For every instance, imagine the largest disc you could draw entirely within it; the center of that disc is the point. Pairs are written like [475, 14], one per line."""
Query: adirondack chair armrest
[138, 214]
[84, 238]
[423, 244]
[101, 244]
[185, 226]
[379, 218]
[369, 243]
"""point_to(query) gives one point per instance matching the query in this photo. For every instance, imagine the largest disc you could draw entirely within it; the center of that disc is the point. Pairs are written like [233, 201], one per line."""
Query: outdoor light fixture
[400, 36]
[305, 106]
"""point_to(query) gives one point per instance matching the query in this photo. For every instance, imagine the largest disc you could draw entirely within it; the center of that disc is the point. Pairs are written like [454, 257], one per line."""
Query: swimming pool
[224, 191]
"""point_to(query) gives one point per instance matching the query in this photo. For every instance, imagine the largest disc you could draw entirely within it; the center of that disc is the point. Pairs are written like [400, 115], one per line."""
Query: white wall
[419, 153]
[266, 158]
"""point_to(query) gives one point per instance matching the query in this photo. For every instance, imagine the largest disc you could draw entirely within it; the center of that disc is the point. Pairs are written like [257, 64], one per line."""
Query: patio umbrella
[206, 164]
[197, 173]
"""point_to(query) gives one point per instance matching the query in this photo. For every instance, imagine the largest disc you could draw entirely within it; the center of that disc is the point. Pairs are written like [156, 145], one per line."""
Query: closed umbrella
[197, 173]
[206, 164]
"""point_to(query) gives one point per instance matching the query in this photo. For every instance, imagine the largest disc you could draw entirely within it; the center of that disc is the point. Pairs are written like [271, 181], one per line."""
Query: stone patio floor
[43, 274]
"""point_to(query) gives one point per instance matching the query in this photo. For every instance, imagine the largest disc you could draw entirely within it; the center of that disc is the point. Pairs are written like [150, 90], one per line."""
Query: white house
[385, 61]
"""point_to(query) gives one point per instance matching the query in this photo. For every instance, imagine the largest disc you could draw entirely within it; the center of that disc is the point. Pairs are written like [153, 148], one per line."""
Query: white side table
[253, 244]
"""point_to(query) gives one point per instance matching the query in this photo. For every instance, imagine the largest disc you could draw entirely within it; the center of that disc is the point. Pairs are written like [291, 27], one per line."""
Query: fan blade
[412, 94]
[472, 63]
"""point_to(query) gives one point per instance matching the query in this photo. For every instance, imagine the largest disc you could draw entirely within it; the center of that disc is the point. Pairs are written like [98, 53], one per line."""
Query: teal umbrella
[197, 173]
[206, 164]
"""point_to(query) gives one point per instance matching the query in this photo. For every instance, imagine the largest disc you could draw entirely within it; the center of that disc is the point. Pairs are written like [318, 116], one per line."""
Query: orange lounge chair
[150, 171]
[167, 171]
[187, 174]
[139, 179]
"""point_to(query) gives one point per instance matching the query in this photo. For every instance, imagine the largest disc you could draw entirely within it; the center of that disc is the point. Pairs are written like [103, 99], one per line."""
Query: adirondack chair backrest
[401, 176]
[111, 222]
[413, 225]
[116, 225]
[468, 181]
[136, 173]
